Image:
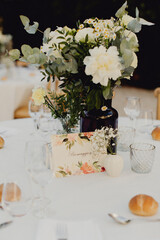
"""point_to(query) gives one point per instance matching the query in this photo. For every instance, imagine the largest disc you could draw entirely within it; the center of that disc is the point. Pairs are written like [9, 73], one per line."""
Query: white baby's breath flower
[89, 21]
[81, 26]
[103, 64]
[82, 33]
[38, 95]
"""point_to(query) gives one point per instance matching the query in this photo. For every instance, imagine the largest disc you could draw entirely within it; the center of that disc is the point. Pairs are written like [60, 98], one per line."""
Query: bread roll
[156, 133]
[143, 205]
[13, 194]
[1, 142]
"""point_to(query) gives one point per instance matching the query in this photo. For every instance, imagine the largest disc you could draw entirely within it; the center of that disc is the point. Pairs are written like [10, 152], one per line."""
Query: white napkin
[77, 230]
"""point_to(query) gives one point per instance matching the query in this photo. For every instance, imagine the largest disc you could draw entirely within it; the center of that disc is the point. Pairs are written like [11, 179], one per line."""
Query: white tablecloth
[16, 86]
[92, 196]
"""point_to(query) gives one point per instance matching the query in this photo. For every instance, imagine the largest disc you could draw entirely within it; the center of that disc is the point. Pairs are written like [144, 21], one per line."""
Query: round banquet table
[16, 86]
[90, 196]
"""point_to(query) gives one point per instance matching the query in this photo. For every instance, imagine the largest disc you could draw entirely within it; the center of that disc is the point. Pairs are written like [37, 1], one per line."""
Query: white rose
[103, 64]
[38, 95]
[82, 33]
[126, 19]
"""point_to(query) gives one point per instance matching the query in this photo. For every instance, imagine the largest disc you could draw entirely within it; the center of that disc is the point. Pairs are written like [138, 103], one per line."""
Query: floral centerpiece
[89, 61]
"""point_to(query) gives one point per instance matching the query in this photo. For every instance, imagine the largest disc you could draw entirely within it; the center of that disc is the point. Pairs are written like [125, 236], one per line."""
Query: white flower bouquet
[89, 61]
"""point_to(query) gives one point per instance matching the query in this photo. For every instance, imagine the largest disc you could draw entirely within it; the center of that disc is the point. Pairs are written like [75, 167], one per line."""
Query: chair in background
[21, 112]
[157, 95]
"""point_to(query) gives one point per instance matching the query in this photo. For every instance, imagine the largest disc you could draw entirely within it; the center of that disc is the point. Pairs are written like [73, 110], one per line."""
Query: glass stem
[36, 124]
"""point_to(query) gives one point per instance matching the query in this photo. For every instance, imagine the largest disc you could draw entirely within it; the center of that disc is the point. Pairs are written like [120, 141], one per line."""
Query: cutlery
[61, 231]
[124, 220]
[5, 224]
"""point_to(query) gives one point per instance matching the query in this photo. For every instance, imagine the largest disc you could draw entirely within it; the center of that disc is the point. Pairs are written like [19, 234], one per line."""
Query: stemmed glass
[132, 108]
[47, 123]
[35, 113]
[39, 165]
[17, 195]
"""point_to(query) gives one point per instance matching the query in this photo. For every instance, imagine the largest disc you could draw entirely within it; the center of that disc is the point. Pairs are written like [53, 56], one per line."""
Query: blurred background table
[16, 84]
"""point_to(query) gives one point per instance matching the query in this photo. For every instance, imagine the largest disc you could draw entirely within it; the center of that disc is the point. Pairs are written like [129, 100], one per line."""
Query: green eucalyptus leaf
[127, 57]
[25, 20]
[128, 71]
[133, 44]
[71, 64]
[46, 35]
[26, 50]
[31, 28]
[137, 13]
[42, 58]
[33, 59]
[36, 50]
[144, 22]
[121, 11]
[14, 54]
[106, 91]
[134, 26]
[118, 82]
[124, 45]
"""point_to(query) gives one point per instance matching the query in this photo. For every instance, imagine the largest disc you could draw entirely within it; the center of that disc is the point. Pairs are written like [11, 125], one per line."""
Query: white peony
[126, 19]
[103, 64]
[82, 33]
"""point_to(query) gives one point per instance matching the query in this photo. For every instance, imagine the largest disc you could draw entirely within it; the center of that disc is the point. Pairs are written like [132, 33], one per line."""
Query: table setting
[75, 169]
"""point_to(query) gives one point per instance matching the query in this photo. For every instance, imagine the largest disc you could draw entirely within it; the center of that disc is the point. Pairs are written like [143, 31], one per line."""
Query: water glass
[125, 138]
[39, 165]
[146, 122]
[142, 157]
[17, 195]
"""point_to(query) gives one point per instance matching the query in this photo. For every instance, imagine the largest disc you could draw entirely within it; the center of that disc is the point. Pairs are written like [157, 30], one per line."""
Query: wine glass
[132, 108]
[17, 195]
[35, 112]
[47, 123]
[39, 165]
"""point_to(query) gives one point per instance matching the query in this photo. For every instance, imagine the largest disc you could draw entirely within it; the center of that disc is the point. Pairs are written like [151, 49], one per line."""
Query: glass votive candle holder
[125, 138]
[142, 157]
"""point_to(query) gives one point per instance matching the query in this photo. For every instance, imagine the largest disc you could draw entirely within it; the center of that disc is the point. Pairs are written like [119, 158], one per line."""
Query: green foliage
[14, 54]
[122, 10]
[32, 29]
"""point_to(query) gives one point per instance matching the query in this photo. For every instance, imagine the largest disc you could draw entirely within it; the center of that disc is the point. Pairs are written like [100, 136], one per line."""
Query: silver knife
[5, 224]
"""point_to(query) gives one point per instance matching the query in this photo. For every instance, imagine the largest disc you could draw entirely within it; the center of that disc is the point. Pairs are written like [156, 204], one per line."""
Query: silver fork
[61, 231]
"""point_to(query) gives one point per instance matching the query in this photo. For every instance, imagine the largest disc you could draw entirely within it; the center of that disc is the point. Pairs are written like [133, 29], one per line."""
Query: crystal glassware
[142, 157]
[47, 123]
[132, 108]
[146, 122]
[125, 138]
[39, 165]
[35, 113]
[17, 195]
